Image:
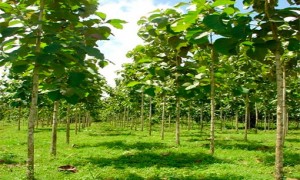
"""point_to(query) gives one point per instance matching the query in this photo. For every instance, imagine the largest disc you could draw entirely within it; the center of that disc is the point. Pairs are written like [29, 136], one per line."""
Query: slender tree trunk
[237, 120]
[124, 117]
[150, 116]
[163, 119]
[221, 119]
[284, 109]
[279, 135]
[142, 112]
[279, 81]
[246, 117]
[54, 129]
[177, 132]
[256, 118]
[189, 116]
[201, 119]
[79, 121]
[265, 121]
[68, 125]
[19, 118]
[212, 101]
[76, 122]
[169, 120]
[34, 98]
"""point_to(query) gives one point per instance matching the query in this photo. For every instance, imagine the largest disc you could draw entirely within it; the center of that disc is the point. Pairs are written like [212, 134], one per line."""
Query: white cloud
[126, 39]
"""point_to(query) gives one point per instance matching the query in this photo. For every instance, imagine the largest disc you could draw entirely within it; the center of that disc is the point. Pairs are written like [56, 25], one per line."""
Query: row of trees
[215, 54]
[50, 51]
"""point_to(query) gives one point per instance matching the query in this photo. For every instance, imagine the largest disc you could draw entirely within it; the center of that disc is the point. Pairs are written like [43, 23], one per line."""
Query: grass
[103, 152]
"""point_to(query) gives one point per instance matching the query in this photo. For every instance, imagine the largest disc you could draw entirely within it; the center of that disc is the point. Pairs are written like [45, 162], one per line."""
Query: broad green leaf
[58, 70]
[19, 68]
[145, 60]
[117, 23]
[294, 45]
[95, 52]
[52, 48]
[226, 46]
[72, 99]
[150, 91]
[229, 10]
[133, 83]
[14, 22]
[6, 7]
[223, 3]
[161, 22]
[54, 95]
[6, 32]
[101, 15]
[195, 85]
[178, 5]
[102, 63]
[214, 22]
[76, 78]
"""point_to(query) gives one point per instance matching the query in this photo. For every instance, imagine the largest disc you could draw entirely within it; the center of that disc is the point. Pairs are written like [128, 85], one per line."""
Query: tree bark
[163, 119]
[68, 125]
[201, 118]
[150, 116]
[19, 118]
[189, 116]
[177, 132]
[54, 129]
[246, 117]
[34, 98]
[142, 112]
[212, 101]
[279, 130]
[256, 118]
[284, 109]
[237, 120]
[76, 122]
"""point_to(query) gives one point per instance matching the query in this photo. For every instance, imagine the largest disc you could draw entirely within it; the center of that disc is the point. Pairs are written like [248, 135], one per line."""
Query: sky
[126, 39]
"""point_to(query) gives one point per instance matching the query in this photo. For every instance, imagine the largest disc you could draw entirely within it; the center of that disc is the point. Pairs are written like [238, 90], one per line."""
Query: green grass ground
[103, 152]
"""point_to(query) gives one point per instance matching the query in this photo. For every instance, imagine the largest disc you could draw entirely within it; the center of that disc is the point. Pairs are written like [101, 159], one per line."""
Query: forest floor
[104, 152]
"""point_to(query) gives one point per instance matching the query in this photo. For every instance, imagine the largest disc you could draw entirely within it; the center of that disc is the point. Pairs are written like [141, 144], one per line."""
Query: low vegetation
[105, 152]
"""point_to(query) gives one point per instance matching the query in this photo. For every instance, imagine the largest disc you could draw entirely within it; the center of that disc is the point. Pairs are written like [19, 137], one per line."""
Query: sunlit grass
[103, 152]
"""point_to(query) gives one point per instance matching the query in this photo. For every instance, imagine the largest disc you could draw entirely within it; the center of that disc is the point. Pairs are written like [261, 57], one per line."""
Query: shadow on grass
[294, 140]
[147, 159]
[248, 146]
[48, 129]
[8, 158]
[290, 159]
[111, 134]
[124, 146]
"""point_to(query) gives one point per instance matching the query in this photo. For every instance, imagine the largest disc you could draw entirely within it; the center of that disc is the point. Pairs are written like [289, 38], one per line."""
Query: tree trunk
[212, 101]
[68, 125]
[34, 98]
[221, 119]
[189, 116]
[279, 130]
[54, 129]
[76, 122]
[237, 120]
[284, 109]
[150, 116]
[265, 121]
[201, 119]
[142, 112]
[246, 117]
[163, 119]
[177, 132]
[19, 118]
[256, 118]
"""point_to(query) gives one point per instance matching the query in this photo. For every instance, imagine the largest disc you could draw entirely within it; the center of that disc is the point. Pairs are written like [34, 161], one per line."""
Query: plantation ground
[103, 152]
